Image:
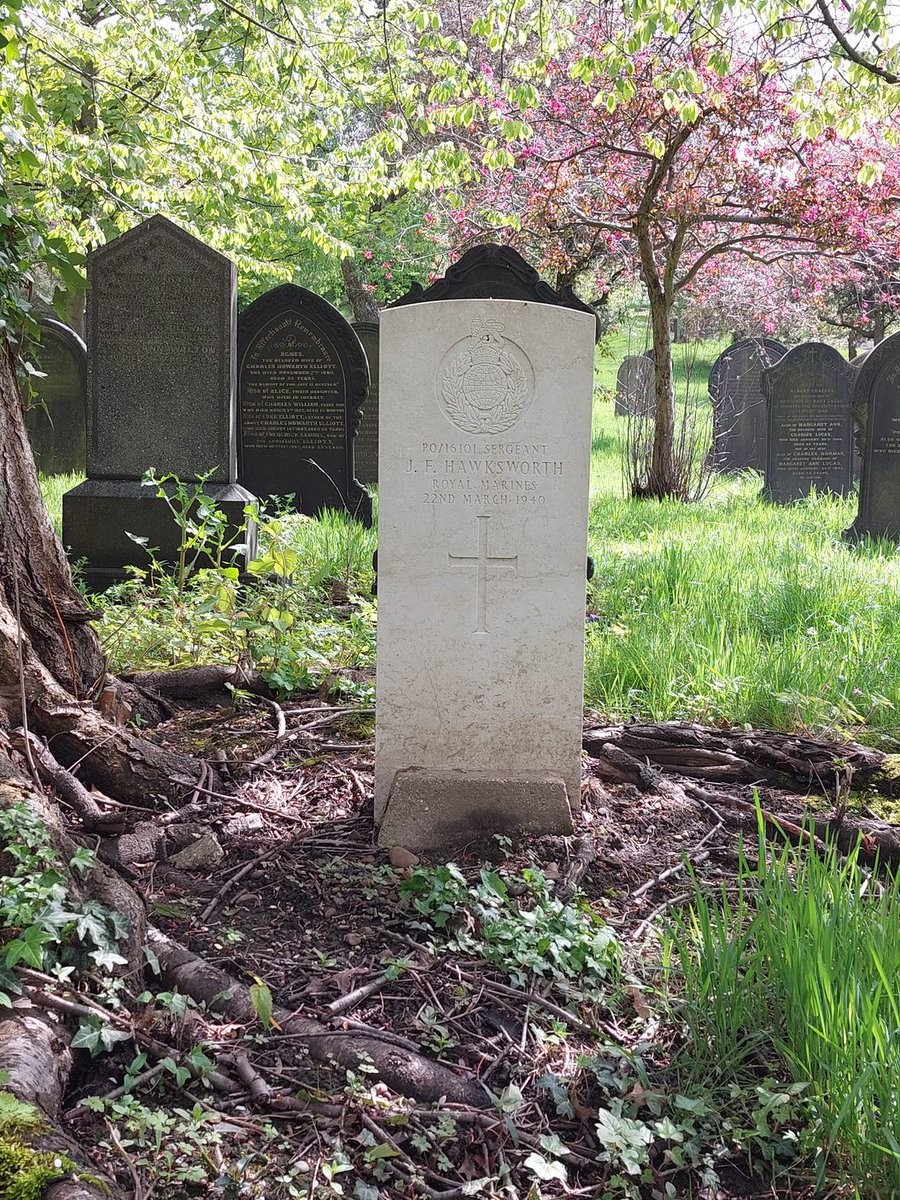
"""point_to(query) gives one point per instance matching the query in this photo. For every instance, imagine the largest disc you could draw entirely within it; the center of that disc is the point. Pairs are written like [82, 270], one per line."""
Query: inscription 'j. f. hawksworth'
[485, 384]
[483, 561]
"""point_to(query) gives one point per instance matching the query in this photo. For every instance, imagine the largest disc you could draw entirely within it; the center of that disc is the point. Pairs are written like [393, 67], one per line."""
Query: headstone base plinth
[859, 532]
[99, 514]
[437, 811]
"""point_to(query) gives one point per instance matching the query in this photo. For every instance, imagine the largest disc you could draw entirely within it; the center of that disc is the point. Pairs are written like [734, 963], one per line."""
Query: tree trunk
[662, 476]
[51, 663]
[34, 574]
[361, 297]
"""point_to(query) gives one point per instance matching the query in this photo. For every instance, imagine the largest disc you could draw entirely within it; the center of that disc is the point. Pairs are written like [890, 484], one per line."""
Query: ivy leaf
[545, 1169]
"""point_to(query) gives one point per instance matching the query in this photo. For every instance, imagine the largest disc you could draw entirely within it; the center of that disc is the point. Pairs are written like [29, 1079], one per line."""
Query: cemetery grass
[728, 611]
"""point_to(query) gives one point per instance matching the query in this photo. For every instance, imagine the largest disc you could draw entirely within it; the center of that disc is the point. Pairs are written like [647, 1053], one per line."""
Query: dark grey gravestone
[160, 380]
[367, 438]
[634, 386]
[55, 417]
[493, 272]
[302, 382]
[876, 411]
[739, 410]
[809, 440]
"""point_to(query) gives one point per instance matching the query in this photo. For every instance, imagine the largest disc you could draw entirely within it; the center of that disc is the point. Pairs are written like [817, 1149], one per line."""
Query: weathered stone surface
[809, 442]
[161, 361]
[484, 484]
[55, 417]
[202, 855]
[302, 382]
[160, 335]
[739, 409]
[99, 514]
[435, 812]
[876, 411]
[634, 385]
[366, 446]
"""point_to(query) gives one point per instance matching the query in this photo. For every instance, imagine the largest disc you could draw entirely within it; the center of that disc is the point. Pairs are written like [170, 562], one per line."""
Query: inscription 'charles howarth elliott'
[486, 382]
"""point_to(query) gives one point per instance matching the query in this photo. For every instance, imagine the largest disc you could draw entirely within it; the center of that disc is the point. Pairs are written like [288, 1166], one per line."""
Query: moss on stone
[24, 1171]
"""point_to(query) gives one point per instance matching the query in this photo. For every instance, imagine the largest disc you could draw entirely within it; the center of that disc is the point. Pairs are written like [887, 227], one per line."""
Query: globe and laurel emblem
[484, 387]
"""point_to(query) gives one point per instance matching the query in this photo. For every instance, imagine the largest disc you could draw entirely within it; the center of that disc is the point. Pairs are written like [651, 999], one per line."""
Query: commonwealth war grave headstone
[739, 410]
[160, 382]
[55, 417]
[634, 386]
[876, 411]
[809, 440]
[483, 484]
[302, 381]
[366, 446]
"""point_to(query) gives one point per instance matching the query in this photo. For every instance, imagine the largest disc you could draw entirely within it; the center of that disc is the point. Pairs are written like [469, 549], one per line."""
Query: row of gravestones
[273, 402]
[167, 350]
[806, 418]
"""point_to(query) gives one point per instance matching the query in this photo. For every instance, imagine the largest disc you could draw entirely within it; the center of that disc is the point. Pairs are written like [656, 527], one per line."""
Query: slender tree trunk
[662, 476]
[362, 299]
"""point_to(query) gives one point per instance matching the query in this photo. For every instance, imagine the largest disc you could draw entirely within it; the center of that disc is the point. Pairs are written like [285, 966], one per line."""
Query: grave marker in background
[366, 446]
[876, 411]
[55, 417]
[482, 536]
[302, 381]
[739, 410]
[635, 386]
[810, 427]
[160, 383]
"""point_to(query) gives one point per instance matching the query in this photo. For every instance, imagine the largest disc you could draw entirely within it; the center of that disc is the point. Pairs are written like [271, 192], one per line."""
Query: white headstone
[484, 464]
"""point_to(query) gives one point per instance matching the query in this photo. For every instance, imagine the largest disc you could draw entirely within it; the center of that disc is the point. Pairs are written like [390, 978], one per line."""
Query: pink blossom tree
[628, 169]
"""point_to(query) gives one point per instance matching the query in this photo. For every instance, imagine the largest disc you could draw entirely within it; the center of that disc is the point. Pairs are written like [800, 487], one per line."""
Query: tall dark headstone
[55, 417]
[160, 382]
[809, 440]
[634, 386]
[302, 382]
[876, 411]
[739, 410]
[367, 438]
[493, 272]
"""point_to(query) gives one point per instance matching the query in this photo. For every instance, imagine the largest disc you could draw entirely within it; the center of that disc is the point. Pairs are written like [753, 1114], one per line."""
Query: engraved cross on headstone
[483, 561]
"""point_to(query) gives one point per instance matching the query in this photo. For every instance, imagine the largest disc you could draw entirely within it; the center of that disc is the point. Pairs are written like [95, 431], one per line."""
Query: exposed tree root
[750, 756]
[804, 767]
[407, 1073]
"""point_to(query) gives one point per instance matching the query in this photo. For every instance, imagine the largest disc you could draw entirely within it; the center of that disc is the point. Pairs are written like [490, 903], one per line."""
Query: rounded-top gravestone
[634, 386]
[55, 416]
[809, 440]
[876, 411]
[739, 410]
[302, 382]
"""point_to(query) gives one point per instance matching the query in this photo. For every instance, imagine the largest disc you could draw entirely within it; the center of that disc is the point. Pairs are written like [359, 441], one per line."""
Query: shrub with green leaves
[535, 934]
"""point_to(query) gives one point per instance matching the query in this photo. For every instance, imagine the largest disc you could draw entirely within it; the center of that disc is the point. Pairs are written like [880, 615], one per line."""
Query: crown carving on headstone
[488, 341]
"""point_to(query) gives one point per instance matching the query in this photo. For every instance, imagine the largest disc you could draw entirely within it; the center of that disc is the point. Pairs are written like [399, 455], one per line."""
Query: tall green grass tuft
[800, 970]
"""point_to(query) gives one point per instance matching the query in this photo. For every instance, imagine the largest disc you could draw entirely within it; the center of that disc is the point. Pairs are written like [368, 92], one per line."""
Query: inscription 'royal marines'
[485, 385]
